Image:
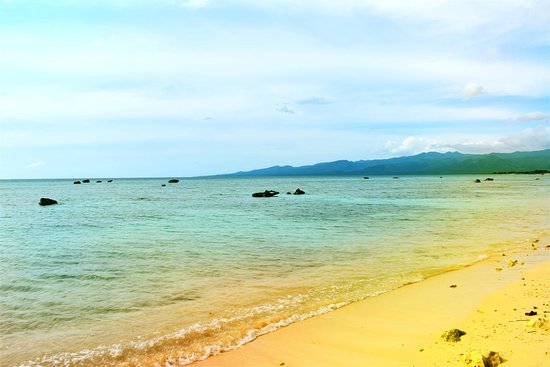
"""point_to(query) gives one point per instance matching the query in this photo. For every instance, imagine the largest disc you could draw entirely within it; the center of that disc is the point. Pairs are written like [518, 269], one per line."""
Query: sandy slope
[403, 327]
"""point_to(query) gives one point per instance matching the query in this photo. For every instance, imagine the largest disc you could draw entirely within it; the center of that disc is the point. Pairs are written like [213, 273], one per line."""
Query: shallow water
[133, 272]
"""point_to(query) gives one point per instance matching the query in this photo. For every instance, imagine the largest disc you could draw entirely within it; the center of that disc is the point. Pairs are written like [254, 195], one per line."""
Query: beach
[133, 273]
[488, 301]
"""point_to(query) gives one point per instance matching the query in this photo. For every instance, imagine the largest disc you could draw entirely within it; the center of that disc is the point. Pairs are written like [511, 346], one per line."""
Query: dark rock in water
[46, 201]
[396, 178]
[163, 185]
[174, 181]
[265, 194]
[99, 181]
[86, 181]
[110, 181]
[489, 179]
[297, 192]
[477, 180]
[453, 335]
[366, 177]
[77, 182]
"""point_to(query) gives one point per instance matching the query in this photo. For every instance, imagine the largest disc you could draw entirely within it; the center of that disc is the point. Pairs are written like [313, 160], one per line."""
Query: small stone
[453, 335]
[533, 246]
[531, 313]
[512, 263]
[498, 269]
[453, 286]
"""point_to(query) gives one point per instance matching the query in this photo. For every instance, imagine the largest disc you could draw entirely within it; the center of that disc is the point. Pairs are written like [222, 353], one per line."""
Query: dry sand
[404, 327]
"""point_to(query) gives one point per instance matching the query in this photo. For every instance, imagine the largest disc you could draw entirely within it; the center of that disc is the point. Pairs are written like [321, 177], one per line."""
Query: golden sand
[404, 327]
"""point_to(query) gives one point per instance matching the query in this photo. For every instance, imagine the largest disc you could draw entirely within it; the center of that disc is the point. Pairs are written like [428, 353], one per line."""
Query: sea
[142, 272]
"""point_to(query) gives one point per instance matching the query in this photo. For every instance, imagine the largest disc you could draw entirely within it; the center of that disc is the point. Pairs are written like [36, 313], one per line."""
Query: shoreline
[403, 327]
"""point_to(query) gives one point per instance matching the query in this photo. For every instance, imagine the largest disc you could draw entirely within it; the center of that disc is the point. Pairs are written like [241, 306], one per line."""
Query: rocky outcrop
[47, 201]
[265, 194]
[478, 359]
[77, 182]
[86, 181]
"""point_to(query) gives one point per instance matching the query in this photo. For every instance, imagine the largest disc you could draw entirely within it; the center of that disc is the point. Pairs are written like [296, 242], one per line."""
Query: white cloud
[471, 90]
[313, 101]
[194, 3]
[286, 109]
[36, 164]
[532, 116]
[526, 140]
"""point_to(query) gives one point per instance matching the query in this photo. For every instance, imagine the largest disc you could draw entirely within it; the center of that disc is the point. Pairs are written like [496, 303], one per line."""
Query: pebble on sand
[453, 335]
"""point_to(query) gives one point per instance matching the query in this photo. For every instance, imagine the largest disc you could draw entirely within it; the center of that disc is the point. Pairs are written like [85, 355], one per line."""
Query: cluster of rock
[78, 182]
[487, 179]
[271, 193]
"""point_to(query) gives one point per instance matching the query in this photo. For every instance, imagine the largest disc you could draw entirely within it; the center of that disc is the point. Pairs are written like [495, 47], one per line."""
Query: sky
[178, 88]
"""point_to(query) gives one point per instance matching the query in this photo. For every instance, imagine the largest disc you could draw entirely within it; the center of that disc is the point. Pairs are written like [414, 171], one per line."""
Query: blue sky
[122, 88]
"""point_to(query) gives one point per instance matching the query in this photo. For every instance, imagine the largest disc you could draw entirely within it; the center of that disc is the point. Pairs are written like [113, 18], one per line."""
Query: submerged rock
[47, 201]
[477, 180]
[77, 182]
[110, 181]
[265, 194]
[489, 179]
[98, 181]
[173, 181]
[86, 181]
[453, 335]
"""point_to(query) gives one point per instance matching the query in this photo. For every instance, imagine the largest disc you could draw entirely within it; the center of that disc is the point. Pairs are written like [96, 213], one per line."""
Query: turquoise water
[133, 273]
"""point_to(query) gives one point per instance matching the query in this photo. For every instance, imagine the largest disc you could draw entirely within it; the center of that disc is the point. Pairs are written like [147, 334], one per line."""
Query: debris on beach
[533, 246]
[478, 359]
[453, 335]
[453, 286]
[498, 269]
[512, 263]
[531, 313]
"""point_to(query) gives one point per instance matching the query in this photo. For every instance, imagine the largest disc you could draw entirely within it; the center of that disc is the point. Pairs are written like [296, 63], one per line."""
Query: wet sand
[404, 327]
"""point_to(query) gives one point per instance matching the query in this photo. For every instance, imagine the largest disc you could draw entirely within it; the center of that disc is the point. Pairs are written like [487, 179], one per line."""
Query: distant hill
[421, 164]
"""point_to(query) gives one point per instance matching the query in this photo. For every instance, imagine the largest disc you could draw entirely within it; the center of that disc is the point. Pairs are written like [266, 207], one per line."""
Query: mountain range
[422, 164]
